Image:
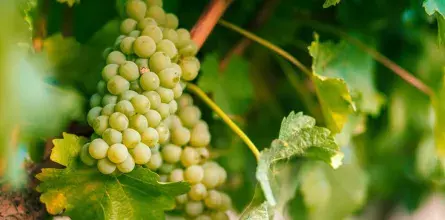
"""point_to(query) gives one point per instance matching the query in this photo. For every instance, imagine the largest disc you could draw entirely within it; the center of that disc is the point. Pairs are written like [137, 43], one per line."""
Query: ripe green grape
[167, 47]
[190, 67]
[189, 116]
[150, 137]
[93, 114]
[126, 166]
[173, 106]
[153, 118]
[180, 136]
[154, 2]
[194, 174]
[189, 157]
[181, 199]
[163, 110]
[176, 175]
[108, 109]
[165, 94]
[166, 168]
[130, 137]
[141, 153]
[145, 22]
[155, 161]
[116, 57]
[135, 86]
[153, 31]
[106, 52]
[183, 37]
[194, 208]
[190, 49]
[141, 104]
[199, 137]
[100, 124]
[156, 13]
[127, 95]
[112, 136]
[171, 21]
[154, 98]
[118, 85]
[173, 122]
[135, 34]
[177, 91]
[203, 152]
[163, 177]
[138, 122]
[222, 175]
[226, 202]
[171, 153]
[149, 81]
[185, 100]
[98, 149]
[118, 121]
[129, 70]
[117, 153]
[126, 45]
[125, 107]
[85, 156]
[170, 34]
[169, 77]
[211, 177]
[219, 216]
[109, 71]
[95, 100]
[109, 99]
[159, 61]
[213, 199]
[105, 166]
[101, 87]
[142, 63]
[197, 192]
[144, 46]
[136, 9]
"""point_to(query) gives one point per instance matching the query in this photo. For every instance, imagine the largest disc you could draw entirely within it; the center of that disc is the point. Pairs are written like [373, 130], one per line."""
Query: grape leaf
[298, 136]
[439, 127]
[329, 3]
[437, 8]
[235, 100]
[84, 193]
[258, 209]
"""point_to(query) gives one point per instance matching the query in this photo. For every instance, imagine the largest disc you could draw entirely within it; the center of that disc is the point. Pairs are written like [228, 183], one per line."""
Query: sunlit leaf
[437, 8]
[329, 3]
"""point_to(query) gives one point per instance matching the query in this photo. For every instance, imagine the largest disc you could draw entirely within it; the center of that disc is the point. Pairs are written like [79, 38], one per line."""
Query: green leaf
[439, 126]
[437, 8]
[329, 3]
[298, 137]
[83, 193]
[232, 89]
[258, 209]
[69, 2]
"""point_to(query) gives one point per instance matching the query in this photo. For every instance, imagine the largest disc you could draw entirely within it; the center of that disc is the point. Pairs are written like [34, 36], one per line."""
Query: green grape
[226, 202]
[141, 153]
[108, 109]
[95, 100]
[126, 45]
[116, 57]
[118, 121]
[180, 136]
[159, 61]
[85, 156]
[100, 124]
[93, 114]
[150, 137]
[154, 98]
[190, 49]
[199, 137]
[141, 104]
[156, 13]
[170, 34]
[98, 149]
[112, 136]
[130, 137]
[129, 70]
[109, 99]
[181, 199]
[166, 168]
[126, 166]
[136, 9]
[153, 118]
[203, 152]
[171, 21]
[163, 178]
[164, 133]
[144, 46]
[210, 164]
[117, 153]
[184, 101]
[117, 43]
[166, 94]
[101, 87]
[142, 63]
[138, 122]
[134, 34]
[176, 175]
[190, 67]
[118, 85]
[155, 162]
[219, 216]
[145, 22]
[105, 166]
[183, 37]
[194, 208]
[167, 47]
[171, 153]
[211, 177]
[197, 192]
[127, 95]
[222, 175]
[194, 174]
[149, 81]
[203, 217]
[177, 68]
[135, 86]
[189, 115]
[169, 78]
[106, 52]
[163, 110]
[154, 2]
[125, 107]
[173, 122]
[213, 199]
[173, 106]
[153, 31]
[109, 71]
[189, 157]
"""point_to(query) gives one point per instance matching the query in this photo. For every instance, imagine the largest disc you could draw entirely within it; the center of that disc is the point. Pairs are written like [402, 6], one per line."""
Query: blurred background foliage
[51, 57]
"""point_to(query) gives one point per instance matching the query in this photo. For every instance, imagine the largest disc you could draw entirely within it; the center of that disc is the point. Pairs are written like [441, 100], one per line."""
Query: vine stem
[268, 45]
[208, 20]
[201, 94]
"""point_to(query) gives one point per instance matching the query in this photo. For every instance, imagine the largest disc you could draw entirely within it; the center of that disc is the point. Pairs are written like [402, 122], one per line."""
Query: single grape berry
[145, 22]
[144, 46]
[165, 94]
[155, 161]
[213, 199]
[167, 47]
[109, 71]
[154, 98]
[156, 13]
[98, 148]
[153, 118]
[171, 153]
[176, 175]
[171, 21]
[126, 45]
[211, 177]
[126, 166]
[116, 57]
[183, 37]
[190, 67]
[138, 122]
[93, 114]
[150, 137]
[194, 208]
[153, 31]
[117, 153]
[197, 192]
[136, 9]
[181, 199]
[177, 91]
[170, 34]
[194, 174]
[128, 25]
[169, 78]
[118, 121]
[141, 153]
[105, 166]
[180, 136]
[85, 156]
[164, 133]
[127, 95]
[108, 109]
[112, 136]
[199, 136]
[166, 168]
[125, 107]
[190, 49]
[95, 100]
[101, 87]
[117, 85]
[100, 124]
[109, 99]
[173, 106]
[129, 70]
[164, 110]
[130, 137]
[159, 61]
[185, 100]
[189, 116]
[141, 104]
[189, 157]
[135, 34]
[149, 81]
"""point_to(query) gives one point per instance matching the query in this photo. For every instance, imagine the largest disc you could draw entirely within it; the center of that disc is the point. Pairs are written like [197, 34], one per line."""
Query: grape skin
[126, 45]
[197, 192]
[127, 95]
[169, 78]
[105, 166]
[194, 208]
[164, 110]
[144, 46]
[136, 9]
[154, 98]
[112, 136]
[98, 149]
[128, 25]
[85, 156]
[117, 85]
[180, 136]
[190, 157]
[93, 114]
[108, 109]
[138, 122]
[130, 137]
[129, 70]
[155, 162]
[141, 153]
[118, 121]
[171, 153]
[117, 153]
[109, 71]
[194, 174]
[213, 199]
[159, 61]
[125, 107]
[116, 57]
[100, 124]
[153, 31]
[165, 94]
[176, 175]
[126, 166]
[149, 81]
[141, 104]
[150, 137]
[153, 118]
[95, 100]
[167, 47]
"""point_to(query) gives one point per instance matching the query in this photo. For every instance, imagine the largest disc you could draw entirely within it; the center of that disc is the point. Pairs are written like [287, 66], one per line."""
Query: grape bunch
[140, 115]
